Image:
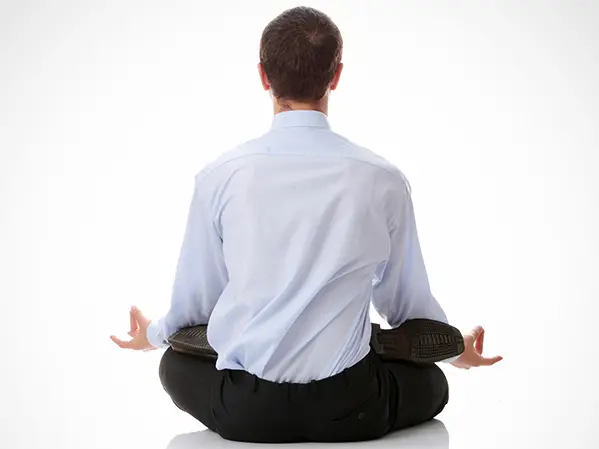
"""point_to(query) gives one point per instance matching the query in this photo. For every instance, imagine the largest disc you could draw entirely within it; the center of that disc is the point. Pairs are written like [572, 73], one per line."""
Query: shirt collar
[292, 119]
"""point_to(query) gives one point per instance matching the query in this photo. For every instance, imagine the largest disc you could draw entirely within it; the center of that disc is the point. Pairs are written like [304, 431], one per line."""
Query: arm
[402, 291]
[201, 274]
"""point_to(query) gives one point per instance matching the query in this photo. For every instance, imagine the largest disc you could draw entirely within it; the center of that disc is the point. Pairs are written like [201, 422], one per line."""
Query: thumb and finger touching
[134, 327]
[473, 354]
[479, 342]
[477, 337]
[137, 322]
[139, 317]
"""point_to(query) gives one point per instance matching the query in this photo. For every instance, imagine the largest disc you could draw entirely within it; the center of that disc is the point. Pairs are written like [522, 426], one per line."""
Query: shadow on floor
[432, 435]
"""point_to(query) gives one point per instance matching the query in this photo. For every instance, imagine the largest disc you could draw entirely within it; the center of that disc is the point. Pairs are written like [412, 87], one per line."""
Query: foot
[192, 340]
[418, 341]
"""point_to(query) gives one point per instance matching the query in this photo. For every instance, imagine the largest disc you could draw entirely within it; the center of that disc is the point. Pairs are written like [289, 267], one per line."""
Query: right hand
[473, 351]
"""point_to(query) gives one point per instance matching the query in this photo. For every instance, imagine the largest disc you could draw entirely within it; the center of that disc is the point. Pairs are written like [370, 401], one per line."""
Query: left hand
[138, 332]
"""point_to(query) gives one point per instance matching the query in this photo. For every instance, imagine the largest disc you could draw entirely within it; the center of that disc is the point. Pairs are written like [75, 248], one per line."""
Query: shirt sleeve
[402, 291]
[201, 274]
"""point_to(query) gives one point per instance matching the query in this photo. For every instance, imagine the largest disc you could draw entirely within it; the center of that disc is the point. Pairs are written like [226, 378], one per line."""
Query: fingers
[135, 344]
[488, 361]
[479, 342]
[476, 332]
[121, 343]
[142, 321]
[137, 321]
[133, 323]
[471, 337]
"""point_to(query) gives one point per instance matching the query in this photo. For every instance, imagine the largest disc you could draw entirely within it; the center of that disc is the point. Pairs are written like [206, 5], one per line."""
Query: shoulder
[245, 150]
[380, 165]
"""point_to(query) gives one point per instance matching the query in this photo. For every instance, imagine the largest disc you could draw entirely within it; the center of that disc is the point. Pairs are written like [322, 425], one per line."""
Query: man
[289, 239]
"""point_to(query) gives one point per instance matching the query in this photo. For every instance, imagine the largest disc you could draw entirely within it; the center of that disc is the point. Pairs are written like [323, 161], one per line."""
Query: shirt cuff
[153, 334]
[451, 359]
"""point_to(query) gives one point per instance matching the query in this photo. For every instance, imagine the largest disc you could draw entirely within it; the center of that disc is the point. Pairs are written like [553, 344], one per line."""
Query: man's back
[298, 227]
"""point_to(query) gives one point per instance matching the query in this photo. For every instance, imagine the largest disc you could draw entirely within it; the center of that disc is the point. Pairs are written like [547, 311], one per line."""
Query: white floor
[432, 435]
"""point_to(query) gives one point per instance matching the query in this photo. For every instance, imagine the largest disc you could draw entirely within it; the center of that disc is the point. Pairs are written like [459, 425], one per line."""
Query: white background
[109, 108]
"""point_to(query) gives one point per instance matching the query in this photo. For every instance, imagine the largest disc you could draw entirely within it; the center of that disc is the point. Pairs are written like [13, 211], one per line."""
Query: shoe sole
[193, 341]
[418, 341]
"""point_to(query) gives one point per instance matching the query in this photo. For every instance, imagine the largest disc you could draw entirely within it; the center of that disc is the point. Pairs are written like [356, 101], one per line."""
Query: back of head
[300, 52]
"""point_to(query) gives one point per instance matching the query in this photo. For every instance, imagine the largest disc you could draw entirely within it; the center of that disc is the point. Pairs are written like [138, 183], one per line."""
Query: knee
[439, 378]
[163, 369]
[440, 386]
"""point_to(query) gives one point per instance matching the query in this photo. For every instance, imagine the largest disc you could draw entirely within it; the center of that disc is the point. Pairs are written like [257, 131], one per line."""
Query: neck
[282, 105]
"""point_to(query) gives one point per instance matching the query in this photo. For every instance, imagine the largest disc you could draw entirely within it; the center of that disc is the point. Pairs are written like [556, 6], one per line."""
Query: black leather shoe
[418, 341]
[193, 341]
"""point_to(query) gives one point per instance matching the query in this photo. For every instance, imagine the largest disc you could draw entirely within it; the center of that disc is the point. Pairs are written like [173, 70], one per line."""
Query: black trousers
[364, 402]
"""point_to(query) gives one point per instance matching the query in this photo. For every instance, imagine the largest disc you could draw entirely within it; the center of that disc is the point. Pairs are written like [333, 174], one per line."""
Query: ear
[335, 81]
[263, 77]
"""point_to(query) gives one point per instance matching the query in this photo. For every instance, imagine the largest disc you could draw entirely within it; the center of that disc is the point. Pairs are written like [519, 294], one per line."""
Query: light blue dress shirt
[289, 239]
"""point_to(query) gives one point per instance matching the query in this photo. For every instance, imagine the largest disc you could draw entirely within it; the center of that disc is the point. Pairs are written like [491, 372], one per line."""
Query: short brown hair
[300, 51]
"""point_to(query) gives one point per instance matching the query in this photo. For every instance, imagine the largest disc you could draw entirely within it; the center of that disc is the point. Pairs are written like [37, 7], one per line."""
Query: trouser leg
[191, 382]
[364, 402]
[419, 393]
